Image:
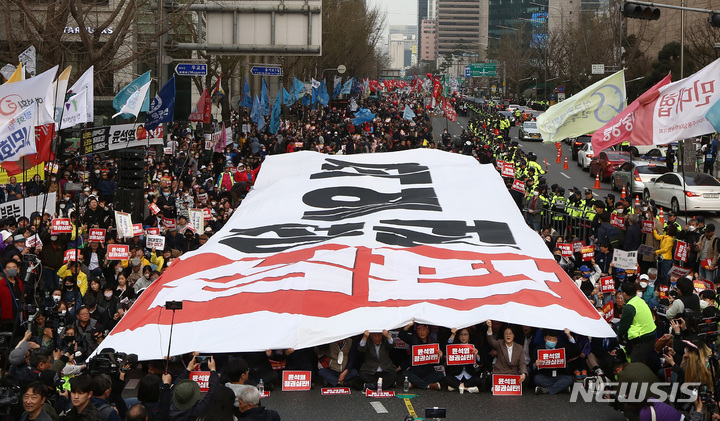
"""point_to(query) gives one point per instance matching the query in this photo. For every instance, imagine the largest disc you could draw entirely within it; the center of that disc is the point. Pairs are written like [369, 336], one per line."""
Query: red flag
[449, 110]
[631, 124]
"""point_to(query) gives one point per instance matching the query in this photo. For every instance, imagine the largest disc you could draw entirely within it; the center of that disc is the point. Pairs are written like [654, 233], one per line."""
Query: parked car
[607, 162]
[633, 176]
[578, 143]
[529, 131]
[585, 156]
[700, 191]
[654, 154]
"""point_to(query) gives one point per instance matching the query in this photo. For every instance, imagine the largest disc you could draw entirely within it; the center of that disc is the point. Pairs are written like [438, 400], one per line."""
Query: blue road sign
[467, 71]
[190, 69]
[266, 71]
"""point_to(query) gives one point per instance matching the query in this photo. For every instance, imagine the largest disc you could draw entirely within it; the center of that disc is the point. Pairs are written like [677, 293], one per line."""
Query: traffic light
[714, 20]
[636, 11]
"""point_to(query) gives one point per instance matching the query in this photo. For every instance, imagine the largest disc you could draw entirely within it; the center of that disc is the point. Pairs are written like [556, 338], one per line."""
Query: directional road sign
[191, 69]
[483, 69]
[468, 73]
[266, 71]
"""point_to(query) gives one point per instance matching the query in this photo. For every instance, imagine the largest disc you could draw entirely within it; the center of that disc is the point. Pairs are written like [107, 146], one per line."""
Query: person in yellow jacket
[70, 269]
[667, 242]
[636, 326]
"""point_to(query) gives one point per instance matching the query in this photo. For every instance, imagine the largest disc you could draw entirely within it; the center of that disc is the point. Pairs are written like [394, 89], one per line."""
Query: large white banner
[681, 106]
[325, 247]
[15, 97]
[26, 207]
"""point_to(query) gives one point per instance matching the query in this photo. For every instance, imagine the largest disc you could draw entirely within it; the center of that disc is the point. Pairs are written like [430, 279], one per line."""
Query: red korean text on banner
[566, 249]
[518, 185]
[678, 271]
[97, 234]
[169, 223]
[506, 385]
[460, 354]
[154, 208]
[681, 251]
[588, 253]
[118, 252]
[607, 284]
[296, 380]
[137, 230]
[577, 246]
[375, 394]
[609, 311]
[618, 221]
[500, 165]
[332, 391]
[202, 378]
[706, 263]
[207, 215]
[61, 226]
[33, 241]
[71, 255]
[551, 358]
[699, 285]
[425, 354]
[508, 170]
[647, 227]
[152, 231]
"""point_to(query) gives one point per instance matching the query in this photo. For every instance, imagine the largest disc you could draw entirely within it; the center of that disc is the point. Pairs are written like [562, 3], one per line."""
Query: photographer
[686, 299]
[102, 388]
[187, 403]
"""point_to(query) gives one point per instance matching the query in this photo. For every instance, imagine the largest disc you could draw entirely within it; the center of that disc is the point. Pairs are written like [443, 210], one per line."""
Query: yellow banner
[29, 174]
[586, 111]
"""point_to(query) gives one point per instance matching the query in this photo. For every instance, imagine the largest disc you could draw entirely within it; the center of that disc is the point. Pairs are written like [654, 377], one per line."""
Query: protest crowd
[64, 290]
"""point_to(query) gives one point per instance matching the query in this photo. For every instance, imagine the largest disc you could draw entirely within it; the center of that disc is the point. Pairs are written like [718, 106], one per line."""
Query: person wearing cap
[672, 220]
[610, 201]
[557, 206]
[589, 277]
[636, 326]
[648, 292]
[71, 269]
[187, 401]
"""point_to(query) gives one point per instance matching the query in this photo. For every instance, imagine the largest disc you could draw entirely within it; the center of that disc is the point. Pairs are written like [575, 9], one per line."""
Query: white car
[700, 191]
[585, 155]
[529, 131]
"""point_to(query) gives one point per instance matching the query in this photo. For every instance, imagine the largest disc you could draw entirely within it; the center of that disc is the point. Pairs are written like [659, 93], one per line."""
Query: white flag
[315, 84]
[57, 93]
[7, 70]
[85, 82]
[134, 101]
[19, 95]
[27, 58]
[75, 111]
[17, 136]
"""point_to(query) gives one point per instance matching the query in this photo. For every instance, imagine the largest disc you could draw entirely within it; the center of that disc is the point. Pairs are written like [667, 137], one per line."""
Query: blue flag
[323, 96]
[713, 116]
[315, 95]
[362, 115]
[408, 114]
[347, 87]
[256, 115]
[287, 99]
[306, 100]
[162, 107]
[264, 99]
[122, 97]
[337, 88]
[275, 115]
[246, 97]
[297, 89]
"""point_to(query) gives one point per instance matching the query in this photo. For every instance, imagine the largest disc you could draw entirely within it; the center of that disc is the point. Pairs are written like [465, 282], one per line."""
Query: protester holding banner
[470, 376]
[420, 374]
[510, 358]
[377, 363]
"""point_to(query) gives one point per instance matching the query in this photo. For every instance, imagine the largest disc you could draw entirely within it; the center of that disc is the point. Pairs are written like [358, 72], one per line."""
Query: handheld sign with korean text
[607, 284]
[97, 234]
[156, 242]
[118, 252]
[551, 358]
[506, 385]
[61, 226]
[460, 354]
[588, 253]
[425, 354]
[296, 380]
[202, 378]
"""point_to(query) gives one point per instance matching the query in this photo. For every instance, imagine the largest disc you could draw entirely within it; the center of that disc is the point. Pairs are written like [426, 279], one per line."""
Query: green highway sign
[482, 69]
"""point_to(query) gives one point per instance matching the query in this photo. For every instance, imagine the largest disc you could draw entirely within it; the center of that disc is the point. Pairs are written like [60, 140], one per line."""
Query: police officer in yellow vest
[637, 326]
[672, 220]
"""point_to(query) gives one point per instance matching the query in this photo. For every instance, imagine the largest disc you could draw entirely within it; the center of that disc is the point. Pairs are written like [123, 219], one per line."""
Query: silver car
[634, 174]
[529, 131]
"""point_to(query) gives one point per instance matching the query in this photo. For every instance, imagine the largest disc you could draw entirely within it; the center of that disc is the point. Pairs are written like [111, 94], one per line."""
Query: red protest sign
[699, 285]
[118, 252]
[296, 380]
[61, 226]
[577, 246]
[460, 354]
[425, 354]
[33, 241]
[154, 208]
[706, 263]
[397, 342]
[681, 251]
[152, 231]
[375, 394]
[169, 223]
[331, 391]
[506, 385]
[588, 253]
[97, 234]
[508, 170]
[71, 255]
[518, 185]
[551, 358]
[618, 221]
[202, 378]
[607, 284]
[678, 271]
[647, 227]
[207, 215]
[566, 249]
[609, 311]
[137, 230]
[663, 291]
[500, 165]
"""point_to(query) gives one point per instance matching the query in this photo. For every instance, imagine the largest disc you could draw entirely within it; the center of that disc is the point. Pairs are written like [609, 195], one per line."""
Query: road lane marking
[379, 408]
[564, 175]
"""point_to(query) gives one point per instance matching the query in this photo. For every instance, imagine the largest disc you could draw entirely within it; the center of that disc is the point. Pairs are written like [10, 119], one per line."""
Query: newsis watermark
[634, 392]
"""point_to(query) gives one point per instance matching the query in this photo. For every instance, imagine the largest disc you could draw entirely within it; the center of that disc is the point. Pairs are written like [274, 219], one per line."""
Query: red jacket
[242, 176]
[6, 299]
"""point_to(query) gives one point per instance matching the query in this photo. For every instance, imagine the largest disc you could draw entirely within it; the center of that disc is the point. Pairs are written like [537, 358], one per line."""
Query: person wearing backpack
[607, 233]
[102, 386]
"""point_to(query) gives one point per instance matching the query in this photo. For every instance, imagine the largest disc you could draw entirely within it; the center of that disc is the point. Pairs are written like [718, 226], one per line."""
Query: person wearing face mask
[71, 294]
[692, 238]
[554, 380]
[35, 186]
[11, 296]
[588, 278]
[166, 203]
[708, 252]
[534, 205]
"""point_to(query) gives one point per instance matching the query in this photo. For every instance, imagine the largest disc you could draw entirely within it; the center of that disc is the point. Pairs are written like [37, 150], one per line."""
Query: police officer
[532, 162]
[637, 326]
[672, 220]
[557, 206]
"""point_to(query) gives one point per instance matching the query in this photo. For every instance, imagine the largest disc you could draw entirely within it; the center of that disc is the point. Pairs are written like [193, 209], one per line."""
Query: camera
[29, 257]
[109, 362]
[435, 413]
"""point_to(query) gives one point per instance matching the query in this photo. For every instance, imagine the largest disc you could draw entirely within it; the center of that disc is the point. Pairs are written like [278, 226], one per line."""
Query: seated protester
[187, 404]
[71, 269]
[420, 376]
[102, 386]
[261, 369]
[71, 295]
[377, 363]
[339, 362]
[510, 357]
[603, 352]
[589, 278]
[249, 400]
[220, 406]
[81, 390]
[686, 299]
[124, 291]
[85, 327]
[144, 281]
[466, 376]
[95, 257]
[98, 313]
[95, 289]
[34, 396]
[554, 380]
[73, 342]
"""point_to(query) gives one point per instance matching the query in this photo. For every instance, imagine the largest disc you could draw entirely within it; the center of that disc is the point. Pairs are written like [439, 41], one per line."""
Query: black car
[578, 143]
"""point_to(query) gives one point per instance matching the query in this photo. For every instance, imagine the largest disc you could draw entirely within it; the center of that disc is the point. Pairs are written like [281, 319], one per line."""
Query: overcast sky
[399, 12]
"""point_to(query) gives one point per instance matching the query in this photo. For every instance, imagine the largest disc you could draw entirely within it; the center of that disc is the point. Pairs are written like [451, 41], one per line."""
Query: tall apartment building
[428, 40]
[402, 39]
[461, 24]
